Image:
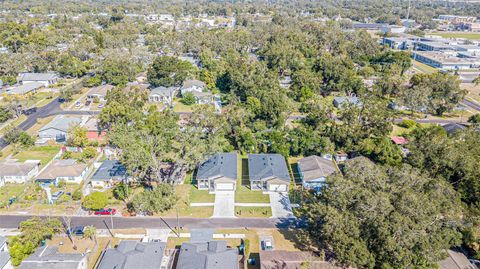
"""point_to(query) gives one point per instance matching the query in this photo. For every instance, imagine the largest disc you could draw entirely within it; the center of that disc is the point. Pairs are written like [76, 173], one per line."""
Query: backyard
[42, 153]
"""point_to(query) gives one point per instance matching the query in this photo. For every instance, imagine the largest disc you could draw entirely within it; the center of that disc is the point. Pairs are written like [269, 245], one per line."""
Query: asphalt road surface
[472, 104]
[51, 109]
[104, 222]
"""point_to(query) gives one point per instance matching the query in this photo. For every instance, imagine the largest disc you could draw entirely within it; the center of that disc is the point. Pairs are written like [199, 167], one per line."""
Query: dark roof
[201, 235]
[207, 255]
[37, 76]
[451, 128]
[133, 255]
[264, 166]
[291, 260]
[220, 165]
[314, 167]
[110, 169]
[4, 258]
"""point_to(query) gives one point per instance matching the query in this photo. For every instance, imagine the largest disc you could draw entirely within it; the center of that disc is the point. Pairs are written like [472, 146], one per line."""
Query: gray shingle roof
[220, 165]
[3, 240]
[451, 128]
[207, 255]
[193, 82]
[15, 169]
[110, 169]
[25, 88]
[133, 255]
[265, 166]
[62, 168]
[314, 167]
[4, 258]
[62, 123]
[37, 76]
[163, 91]
[48, 257]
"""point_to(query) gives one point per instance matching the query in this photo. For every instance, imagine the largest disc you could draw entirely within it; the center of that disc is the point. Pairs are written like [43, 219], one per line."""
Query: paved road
[51, 109]
[12, 221]
[472, 104]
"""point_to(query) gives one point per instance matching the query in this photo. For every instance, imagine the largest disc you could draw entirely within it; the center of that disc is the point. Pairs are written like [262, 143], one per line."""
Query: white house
[58, 128]
[162, 95]
[63, 170]
[193, 85]
[14, 172]
[46, 79]
[49, 257]
[5, 260]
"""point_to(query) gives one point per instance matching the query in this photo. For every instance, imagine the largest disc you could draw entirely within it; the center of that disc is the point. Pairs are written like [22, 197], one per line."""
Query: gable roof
[455, 260]
[48, 257]
[4, 258]
[61, 123]
[110, 169]
[163, 91]
[25, 88]
[36, 76]
[220, 165]
[100, 90]
[201, 94]
[340, 100]
[62, 168]
[16, 169]
[314, 167]
[207, 255]
[133, 255]
[265, 166]
[451, 128]
[193, 82]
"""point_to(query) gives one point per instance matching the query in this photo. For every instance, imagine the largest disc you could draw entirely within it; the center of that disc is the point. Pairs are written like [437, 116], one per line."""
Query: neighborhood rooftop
[36, 76]
[110, 169]
[62, 123]
[62, 168]
[25, 88]
[314, 167]
[221, 164]
[133, 255]
[261, 166]
[15, 168]
[207, 255]
[48, 257]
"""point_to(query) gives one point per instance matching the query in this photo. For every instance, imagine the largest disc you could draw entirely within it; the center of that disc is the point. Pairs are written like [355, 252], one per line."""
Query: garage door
[224, 187]
[277, 187]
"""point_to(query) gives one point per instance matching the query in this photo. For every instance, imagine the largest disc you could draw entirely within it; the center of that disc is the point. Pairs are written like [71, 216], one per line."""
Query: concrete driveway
[224, 206]
[280, 203]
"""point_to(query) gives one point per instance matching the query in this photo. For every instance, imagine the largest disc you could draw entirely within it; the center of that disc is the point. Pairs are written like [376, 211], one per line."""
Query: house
[46, 79]
[14, 172]
[445, 61]
[341, 101]
[58, 128]
[162, 95]
[452, 128]
[99, 93]
[314, 170]
[399, 140]
[219, 173]
[341, 157]
[207, 255]
[193, 85]
[29, 88]
[49, 257]
[67, 170]
[94, 131]
[203, 98]
[109, 172]
[133, 255]
[268, 172]
[5, 259]
[455, 260]
[276, 259]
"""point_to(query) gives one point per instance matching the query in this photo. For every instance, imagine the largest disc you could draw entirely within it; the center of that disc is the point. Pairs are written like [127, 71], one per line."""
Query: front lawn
[180, 107]
[253, 211]
[10, 190]
[200, 196]
[42, 153]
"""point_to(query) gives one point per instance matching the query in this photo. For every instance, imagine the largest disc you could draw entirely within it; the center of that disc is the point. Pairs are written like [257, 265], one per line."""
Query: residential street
[12, 221]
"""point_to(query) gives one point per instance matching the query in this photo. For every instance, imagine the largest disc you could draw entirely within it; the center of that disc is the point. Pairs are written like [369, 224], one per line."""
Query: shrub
[408, 124]
[77, 194]
[188, 99]
[95, 201]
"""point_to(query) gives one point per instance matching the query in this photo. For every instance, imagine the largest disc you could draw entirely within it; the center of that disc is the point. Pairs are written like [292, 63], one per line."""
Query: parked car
[101, 105]
[106, 211]
[78, 104]
[57, 195]
[76, 231]
[88, 103]
[266, 244]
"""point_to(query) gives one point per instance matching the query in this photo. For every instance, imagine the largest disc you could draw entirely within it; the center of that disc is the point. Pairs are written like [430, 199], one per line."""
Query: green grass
[11, 190]
[15, 122]
[253, 212]
[423, 67]
[243, 194]
[466, 35]
[180, 107]
[201, 196]
[42, 153]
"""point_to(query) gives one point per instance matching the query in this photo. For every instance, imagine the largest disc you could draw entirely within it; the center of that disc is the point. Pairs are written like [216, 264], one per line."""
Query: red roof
[399, 140]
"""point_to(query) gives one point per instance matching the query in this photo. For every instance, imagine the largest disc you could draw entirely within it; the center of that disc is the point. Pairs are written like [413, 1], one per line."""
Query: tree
[77, 136]
[168, 71]
[95, 201]
[5, 114]
[122, 191]
[160, 199]
[71, 66]
[12, 133]
[33, 231]
[381, 150]
[474, 119]
[441, 90]
[25, 140]
[188, 99]
[90, 232]
[89, 153]
[383, 217]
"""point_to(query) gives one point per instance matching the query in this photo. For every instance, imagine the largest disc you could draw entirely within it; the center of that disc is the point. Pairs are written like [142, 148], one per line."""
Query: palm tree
[91, 233]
